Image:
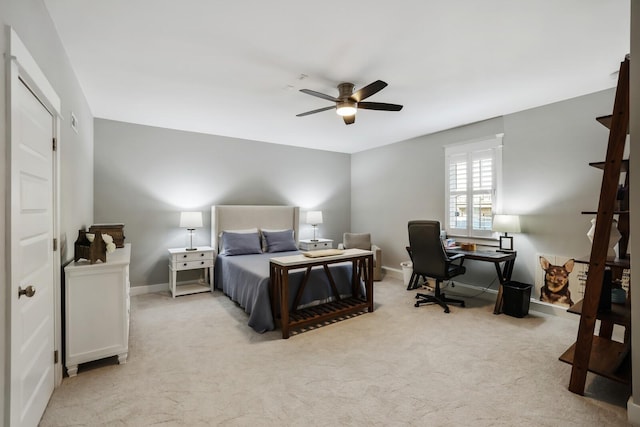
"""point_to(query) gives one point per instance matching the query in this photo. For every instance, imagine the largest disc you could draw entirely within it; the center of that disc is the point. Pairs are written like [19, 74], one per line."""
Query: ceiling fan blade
[319, 95]
[316, 111]
[369, 90]
[349, 120]
[379, 106]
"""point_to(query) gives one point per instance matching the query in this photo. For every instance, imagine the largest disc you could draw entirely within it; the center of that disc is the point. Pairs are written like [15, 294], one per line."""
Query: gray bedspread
[245, 279]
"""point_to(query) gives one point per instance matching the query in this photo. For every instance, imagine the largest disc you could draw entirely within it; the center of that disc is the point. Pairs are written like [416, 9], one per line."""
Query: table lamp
[506, 224]
[314, 218]
[191, 221]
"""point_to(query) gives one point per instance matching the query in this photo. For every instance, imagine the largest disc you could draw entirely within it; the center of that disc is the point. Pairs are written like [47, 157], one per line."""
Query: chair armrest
[454, 257]
[377, 252]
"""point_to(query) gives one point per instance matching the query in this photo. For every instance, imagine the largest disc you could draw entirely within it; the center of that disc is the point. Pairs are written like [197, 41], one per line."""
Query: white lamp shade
[314, 217]
[191, 219]
[506, 223]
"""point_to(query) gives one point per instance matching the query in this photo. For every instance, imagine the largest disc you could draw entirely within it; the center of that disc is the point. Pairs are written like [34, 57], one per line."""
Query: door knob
[29, 291]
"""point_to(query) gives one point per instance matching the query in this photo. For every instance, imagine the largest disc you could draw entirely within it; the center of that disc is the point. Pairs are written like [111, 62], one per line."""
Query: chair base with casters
[415, 277]
[438, 297]
[414, 281]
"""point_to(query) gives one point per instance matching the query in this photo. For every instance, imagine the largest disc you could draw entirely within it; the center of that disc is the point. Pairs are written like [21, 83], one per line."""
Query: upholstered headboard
[239, 217]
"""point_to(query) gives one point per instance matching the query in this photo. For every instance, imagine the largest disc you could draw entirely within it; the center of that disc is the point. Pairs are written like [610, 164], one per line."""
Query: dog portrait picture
[555, 286]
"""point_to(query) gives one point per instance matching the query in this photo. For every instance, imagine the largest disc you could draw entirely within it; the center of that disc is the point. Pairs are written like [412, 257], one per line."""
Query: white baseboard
[490, 294]
[158, 287]
[396, 273]
[633, 412]
[149, 289]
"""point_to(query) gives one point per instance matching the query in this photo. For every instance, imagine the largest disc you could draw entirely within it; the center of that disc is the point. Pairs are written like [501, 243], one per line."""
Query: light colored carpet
[194, 361]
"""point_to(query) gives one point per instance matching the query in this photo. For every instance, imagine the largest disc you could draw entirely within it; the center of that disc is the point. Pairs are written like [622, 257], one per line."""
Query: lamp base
[314, 232]
[191, 248]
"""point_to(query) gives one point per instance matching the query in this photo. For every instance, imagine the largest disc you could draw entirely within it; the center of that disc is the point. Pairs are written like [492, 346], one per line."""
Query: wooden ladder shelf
[598, 353]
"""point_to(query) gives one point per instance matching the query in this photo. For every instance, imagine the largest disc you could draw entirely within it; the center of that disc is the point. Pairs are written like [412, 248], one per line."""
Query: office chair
[430, 260]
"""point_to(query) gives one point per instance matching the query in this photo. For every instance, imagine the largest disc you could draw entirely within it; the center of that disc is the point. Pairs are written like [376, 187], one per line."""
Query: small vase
[614, 237]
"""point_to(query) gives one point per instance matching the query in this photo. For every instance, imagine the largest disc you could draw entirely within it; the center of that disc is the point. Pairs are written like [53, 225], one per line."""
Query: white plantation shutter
[473, 173]
[457, 212]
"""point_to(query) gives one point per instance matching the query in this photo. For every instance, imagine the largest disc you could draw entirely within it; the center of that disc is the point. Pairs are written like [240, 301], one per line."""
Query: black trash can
[515, 298]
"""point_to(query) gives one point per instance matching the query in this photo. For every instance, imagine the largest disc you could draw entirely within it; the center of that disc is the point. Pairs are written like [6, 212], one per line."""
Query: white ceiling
[234, 68]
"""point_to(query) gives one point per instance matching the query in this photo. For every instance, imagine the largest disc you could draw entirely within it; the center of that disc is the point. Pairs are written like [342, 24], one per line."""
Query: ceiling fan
[348, 101]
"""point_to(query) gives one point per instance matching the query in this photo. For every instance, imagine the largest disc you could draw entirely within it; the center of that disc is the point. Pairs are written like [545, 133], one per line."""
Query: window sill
[482, 241]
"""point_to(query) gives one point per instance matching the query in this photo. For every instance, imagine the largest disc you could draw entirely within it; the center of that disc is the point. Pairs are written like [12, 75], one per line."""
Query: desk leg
[503, 276]
[498, 307]
[283, 279]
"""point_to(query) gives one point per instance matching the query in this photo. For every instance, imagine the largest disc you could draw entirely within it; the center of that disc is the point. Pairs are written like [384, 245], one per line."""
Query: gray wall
[144, 177]
[31, 21]
[546, 179]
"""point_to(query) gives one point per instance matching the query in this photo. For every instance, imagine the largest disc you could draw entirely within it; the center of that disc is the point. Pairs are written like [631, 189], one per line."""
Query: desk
[290, 317]
[496, 257]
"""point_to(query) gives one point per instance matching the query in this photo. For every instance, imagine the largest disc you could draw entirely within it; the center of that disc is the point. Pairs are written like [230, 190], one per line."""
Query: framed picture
[506, 243]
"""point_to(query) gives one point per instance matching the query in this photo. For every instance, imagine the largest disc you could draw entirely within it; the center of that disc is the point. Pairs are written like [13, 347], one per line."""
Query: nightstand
[180, 259]
[312, 245]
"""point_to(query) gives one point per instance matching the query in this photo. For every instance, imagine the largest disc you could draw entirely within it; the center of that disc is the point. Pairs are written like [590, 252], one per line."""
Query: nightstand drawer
[190, 265]
[196, 256]
[310, 245]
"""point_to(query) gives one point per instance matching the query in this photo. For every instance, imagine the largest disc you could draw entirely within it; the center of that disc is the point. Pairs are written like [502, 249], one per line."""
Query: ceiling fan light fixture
[348, 102]
[346, 108]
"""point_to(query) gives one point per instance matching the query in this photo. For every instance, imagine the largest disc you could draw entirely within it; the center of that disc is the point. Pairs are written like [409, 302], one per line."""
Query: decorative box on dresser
[182, 259]
[312, 245]
[97, 309]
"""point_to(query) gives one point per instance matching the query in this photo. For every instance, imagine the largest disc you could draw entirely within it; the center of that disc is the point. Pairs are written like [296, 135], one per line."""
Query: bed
[242, 270]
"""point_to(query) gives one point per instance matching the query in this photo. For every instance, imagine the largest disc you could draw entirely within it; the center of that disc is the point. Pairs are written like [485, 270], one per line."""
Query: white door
[32, 266]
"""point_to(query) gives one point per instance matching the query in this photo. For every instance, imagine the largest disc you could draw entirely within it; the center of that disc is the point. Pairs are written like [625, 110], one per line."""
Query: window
[473, 174]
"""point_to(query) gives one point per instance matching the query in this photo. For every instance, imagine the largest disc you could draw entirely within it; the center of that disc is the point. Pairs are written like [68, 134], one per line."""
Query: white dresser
[183, 259]
[97, 309]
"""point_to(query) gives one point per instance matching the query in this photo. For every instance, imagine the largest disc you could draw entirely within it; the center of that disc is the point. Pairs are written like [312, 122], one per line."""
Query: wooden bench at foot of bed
[290, 317]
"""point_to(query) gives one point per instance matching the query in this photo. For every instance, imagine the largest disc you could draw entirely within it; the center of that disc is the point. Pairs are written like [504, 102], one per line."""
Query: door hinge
[55, 244]
[55, 145]
[55, 357]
